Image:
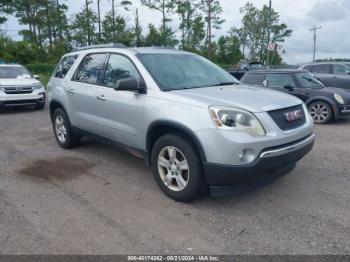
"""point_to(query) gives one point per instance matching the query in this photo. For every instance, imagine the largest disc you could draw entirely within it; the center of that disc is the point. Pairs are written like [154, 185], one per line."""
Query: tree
[191, 25]
[154, 37]
[138, 29]
[117, 30]
[167, 8]
[124, 4]
[212, 11]
[6, 8]
[229, 50]
[256, 26]
[99, 21]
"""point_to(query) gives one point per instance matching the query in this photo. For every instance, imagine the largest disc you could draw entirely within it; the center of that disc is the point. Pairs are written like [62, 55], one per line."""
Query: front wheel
[321, 112]
[64, 134]
[177, 168]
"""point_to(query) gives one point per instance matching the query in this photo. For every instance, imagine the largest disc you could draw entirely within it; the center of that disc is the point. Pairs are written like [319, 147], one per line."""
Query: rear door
[341, 76]
[120, 113]
[83, 89]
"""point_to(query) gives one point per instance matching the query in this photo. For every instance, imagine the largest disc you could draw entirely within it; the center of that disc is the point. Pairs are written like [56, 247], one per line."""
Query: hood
[18, 82]
[245, 97]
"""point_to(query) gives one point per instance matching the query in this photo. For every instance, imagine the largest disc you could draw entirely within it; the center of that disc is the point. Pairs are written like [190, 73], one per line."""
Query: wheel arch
[162, 127]
[55, 105]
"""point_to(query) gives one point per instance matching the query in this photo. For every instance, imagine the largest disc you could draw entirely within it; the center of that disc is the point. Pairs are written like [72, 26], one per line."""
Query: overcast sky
[299, 15]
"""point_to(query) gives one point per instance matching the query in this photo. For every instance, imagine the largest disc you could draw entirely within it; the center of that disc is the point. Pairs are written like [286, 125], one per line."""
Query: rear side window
[253, 79]
[64, 66]
[341, 70]
[90, 68]
[321, 69]
[308, 68]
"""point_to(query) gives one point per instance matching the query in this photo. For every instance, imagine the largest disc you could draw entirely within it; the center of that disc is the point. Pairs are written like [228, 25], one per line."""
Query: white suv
[19, 88]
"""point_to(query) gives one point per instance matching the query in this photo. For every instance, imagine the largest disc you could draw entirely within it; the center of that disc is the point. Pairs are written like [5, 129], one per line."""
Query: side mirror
[130, 84]
[289, 87]
[36, 77]
[265, 83]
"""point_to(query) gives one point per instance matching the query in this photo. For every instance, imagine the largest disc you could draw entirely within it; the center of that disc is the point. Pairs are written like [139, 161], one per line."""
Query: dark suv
[331, 74]
[324, 103]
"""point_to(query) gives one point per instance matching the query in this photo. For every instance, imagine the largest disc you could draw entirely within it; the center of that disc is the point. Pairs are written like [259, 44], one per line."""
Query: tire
[321, 112]
[64, 134]
[40, 106]
[173, 148]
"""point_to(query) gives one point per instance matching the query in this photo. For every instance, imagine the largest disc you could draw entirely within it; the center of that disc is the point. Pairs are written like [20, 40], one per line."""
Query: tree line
[50, 32]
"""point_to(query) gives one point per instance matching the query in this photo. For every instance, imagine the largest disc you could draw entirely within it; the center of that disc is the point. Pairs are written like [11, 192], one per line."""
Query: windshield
[184, 71]
[307, 80]
[13, 72]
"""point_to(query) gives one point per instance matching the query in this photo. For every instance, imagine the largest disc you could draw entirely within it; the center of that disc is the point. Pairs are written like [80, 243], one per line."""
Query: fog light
[247, 155]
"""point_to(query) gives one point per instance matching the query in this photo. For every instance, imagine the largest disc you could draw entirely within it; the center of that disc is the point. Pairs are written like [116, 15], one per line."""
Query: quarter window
[253, 78]
[280, 80]
[321, 69]
[89, 69]
[118, 67]
[64, 66]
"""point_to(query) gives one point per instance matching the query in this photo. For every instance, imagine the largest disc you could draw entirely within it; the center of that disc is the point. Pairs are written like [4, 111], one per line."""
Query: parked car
[194, 123]
[243, 68]
[324, 103]
[19, 88]
[331, 73]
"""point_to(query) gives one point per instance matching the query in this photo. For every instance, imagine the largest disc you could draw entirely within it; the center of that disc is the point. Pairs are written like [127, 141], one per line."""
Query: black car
[335, 74]
[324, 103]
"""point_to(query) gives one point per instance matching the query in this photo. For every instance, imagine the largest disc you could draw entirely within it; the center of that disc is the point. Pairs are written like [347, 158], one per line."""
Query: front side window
[118, 67]
[280, 80]
[321, 69]
[14, 72]
[307, 80]
[341, 70]
[64, 66]
[184, 71]
[89, 68]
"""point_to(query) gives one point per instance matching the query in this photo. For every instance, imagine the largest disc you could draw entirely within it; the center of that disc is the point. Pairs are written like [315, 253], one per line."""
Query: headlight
[339, 98]
[235, 119]
[37, 86]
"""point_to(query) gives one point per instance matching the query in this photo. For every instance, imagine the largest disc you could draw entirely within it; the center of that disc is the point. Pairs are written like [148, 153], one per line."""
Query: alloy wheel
[61, 130]
[319, 112]
[173, 168]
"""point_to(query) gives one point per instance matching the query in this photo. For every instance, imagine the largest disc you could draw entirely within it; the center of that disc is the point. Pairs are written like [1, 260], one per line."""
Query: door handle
[71, 91]
[102, 98]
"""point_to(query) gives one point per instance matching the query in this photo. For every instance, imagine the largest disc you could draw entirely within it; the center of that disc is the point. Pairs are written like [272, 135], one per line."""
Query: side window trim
[73, 79]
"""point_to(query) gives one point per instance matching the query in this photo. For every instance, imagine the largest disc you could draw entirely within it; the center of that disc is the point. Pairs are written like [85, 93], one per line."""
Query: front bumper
[343, 110]
[269, 162]
[23, 100]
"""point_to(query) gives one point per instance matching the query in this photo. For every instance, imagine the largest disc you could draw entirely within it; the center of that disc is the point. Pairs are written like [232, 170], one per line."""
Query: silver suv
[195, 124]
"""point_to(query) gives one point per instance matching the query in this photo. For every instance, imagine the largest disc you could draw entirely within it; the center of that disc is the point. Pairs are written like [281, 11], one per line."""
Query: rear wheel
[321, 112]
[64, 134]
[177, 168]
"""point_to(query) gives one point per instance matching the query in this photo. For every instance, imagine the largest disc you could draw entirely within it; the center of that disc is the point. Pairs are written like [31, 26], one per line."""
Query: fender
[327, 100]
[182, 128]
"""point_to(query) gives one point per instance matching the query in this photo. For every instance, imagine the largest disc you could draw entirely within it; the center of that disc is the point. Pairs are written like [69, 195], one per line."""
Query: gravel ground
[97, 200]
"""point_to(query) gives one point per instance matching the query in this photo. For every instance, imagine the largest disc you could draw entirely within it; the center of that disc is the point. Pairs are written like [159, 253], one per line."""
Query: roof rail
[114, 45]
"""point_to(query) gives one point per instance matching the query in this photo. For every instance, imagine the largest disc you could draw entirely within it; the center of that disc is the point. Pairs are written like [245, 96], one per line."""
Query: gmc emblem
[294, 115]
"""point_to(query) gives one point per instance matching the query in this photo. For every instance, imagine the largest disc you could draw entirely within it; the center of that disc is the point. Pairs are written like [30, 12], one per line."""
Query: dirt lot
[97, 200]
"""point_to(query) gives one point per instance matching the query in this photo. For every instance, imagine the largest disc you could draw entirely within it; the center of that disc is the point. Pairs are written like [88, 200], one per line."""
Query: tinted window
[64, 66]
[184, 71]
[341, 69]
[118, 67]
[89, 69]
[307, 80]
[13, 72]
[253, 79]
[280, 80]
[321, 69]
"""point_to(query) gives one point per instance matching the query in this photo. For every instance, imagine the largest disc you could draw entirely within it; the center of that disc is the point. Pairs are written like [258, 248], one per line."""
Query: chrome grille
[14, 90]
